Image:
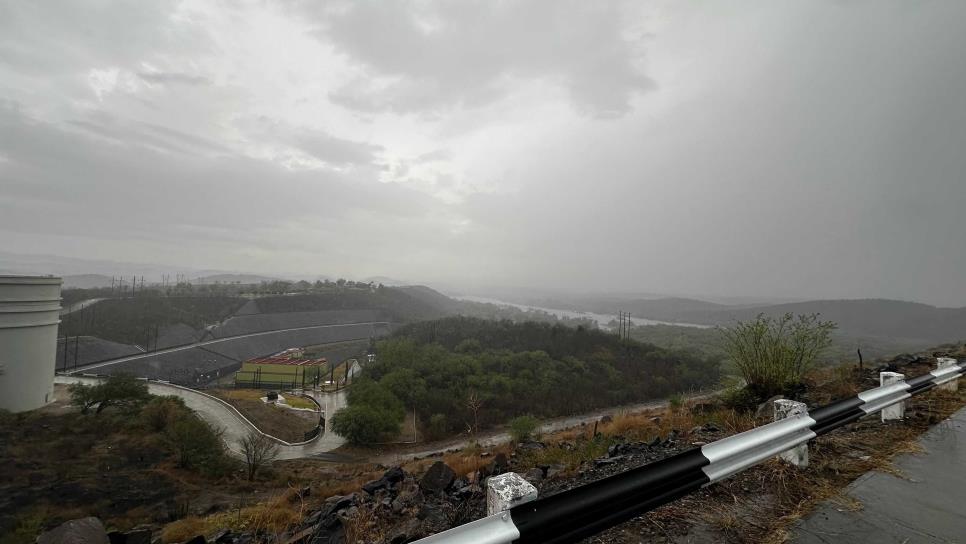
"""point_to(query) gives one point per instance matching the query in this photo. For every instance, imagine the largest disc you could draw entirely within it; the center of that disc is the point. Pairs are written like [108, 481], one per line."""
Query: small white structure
[943, 363]
[29, 315]
[506, 491]
[897, 410]
[785, 408]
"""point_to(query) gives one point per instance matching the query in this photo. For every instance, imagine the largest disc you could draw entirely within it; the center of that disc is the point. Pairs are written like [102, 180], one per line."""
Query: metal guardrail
[581, 512]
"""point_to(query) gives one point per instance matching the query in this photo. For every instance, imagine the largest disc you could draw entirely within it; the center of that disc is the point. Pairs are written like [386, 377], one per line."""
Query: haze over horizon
[785, 150]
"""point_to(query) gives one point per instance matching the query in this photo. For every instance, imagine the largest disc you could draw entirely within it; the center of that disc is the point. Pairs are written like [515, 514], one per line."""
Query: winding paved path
[222, 415]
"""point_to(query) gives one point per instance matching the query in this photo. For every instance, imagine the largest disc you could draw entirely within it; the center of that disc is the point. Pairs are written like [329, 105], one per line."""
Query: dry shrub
[833, 383]
[185, 529]
[275, 516]
[344, 487]
[463, 465]
[271, 517]
[364, 527]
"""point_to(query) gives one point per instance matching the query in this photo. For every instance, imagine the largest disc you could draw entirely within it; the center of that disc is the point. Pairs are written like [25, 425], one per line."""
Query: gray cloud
[120, 132]
[439, 55]
[319, 144]
[129, 192]
[783, 149]
[173, 77]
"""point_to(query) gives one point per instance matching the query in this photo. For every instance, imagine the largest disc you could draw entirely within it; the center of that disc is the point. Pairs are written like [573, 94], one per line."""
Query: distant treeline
[464, 372]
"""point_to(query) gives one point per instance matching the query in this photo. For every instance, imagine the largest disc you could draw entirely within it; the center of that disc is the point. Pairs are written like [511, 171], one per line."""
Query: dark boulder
[437, 478]
[534, 475]
[376, 485]
[394, 475]
[532, 445]
[603, 461]
[76, 531]
[135, 536]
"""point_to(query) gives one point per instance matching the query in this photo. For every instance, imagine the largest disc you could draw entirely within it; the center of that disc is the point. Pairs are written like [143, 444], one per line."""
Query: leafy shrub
[160, 412]
[522, 428]
[198, 445]
[772, 355]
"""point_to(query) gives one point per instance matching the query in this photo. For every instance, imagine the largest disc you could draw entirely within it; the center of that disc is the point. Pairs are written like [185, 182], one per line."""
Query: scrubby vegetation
[523, 428]
[709, 342]
[481, 373]
[123, 465]
[773, 354]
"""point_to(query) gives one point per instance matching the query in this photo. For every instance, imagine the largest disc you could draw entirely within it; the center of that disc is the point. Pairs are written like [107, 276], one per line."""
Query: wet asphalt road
[927, 506]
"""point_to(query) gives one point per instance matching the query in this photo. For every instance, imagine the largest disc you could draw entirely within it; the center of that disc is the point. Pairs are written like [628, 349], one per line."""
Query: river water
[602, 320]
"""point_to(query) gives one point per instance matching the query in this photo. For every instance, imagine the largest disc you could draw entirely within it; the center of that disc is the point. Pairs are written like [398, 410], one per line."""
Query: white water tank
[29, 314]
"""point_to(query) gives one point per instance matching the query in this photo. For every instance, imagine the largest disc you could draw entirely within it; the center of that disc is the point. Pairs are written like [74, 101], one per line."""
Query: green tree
[365, 424]
[121, 390]
[773, 354]
[406, 385]
[368, 392]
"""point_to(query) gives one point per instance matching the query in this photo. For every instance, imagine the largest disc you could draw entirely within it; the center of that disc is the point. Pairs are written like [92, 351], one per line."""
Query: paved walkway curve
[224, 416]
[93, 366]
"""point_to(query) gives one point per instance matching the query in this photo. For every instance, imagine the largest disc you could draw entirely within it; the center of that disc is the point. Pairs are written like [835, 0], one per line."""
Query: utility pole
[76, 345]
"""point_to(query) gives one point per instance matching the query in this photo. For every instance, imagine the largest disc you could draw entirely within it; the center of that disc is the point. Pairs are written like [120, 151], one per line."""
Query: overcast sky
[806, 149]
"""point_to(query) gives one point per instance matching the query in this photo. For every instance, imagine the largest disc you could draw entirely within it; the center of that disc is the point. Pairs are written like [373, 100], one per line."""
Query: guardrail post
[506, 491]
[784, 408]
[897, 410]
[946, 362]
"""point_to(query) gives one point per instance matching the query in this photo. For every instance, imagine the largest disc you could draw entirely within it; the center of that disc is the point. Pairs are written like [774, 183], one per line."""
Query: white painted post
[506, 491]
[784, 408]
[897, 410]
[946, 362]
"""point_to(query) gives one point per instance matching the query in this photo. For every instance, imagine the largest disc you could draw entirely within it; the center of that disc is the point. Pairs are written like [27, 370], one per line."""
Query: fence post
[784, 408]
[946, 362]
[506, 491]
[897, 410]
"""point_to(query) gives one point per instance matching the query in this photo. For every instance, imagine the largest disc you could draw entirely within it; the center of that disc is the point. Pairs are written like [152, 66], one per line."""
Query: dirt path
[496, 437]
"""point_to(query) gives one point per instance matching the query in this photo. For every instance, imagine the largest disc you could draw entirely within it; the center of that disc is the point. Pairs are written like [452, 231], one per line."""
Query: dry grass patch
[269, 518]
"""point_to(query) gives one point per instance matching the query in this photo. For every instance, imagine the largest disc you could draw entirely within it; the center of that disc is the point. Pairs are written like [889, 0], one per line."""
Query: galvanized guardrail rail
[516, 515]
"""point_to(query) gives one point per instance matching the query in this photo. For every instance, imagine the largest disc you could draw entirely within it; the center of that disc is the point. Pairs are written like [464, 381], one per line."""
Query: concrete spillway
[29, 315]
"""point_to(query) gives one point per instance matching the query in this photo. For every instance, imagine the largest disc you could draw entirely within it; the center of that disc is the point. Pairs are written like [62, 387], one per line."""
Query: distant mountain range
[867, 318]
